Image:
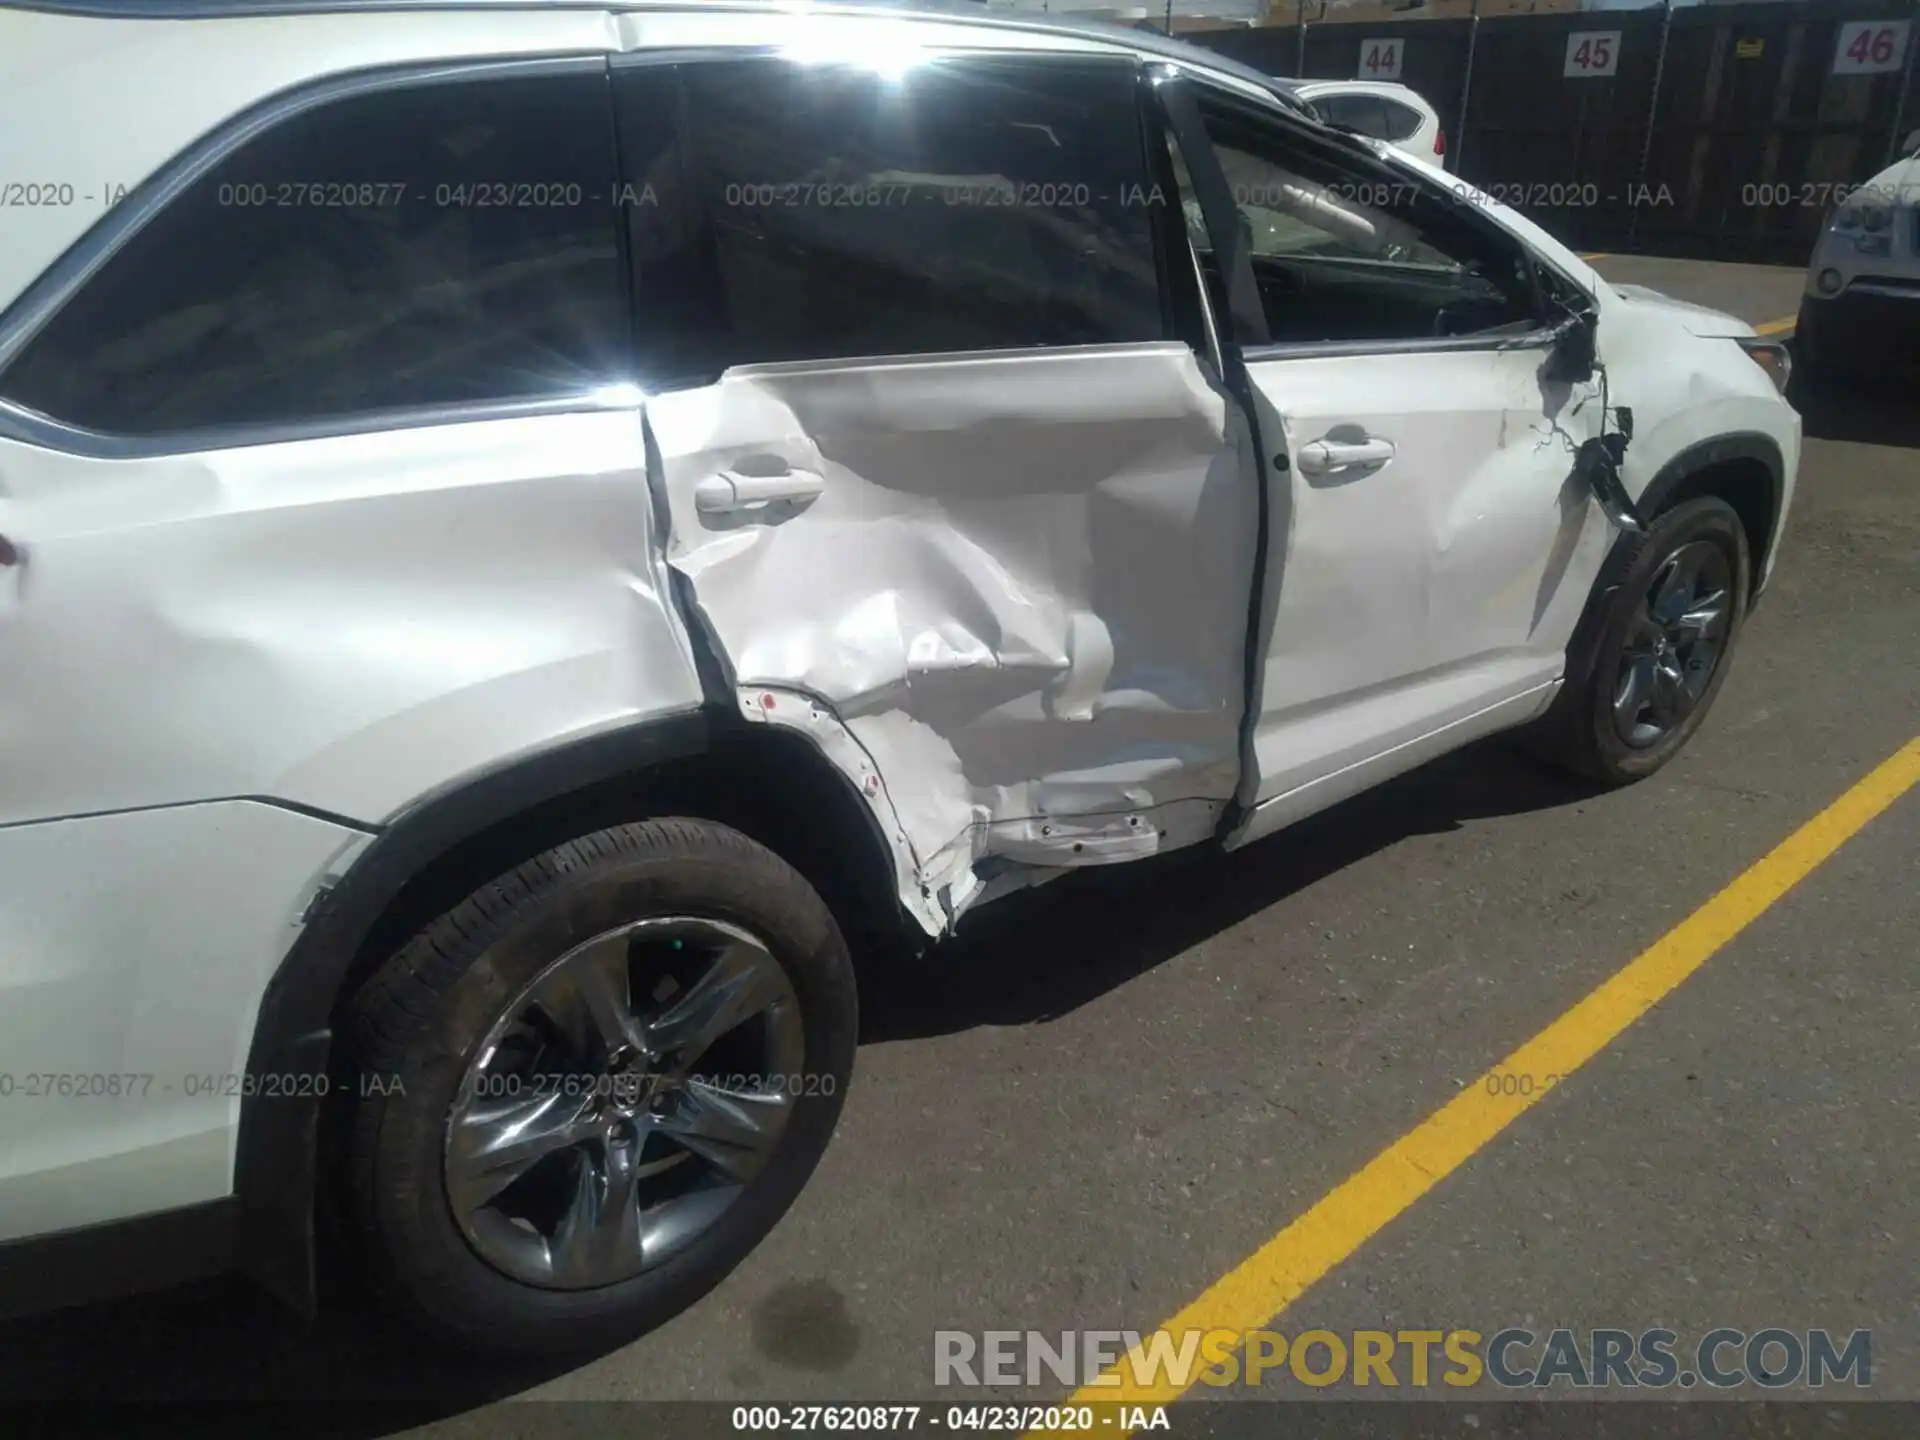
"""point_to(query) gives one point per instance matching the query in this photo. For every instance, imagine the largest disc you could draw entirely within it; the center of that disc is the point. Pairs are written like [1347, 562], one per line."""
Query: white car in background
[1861, 311]
[1381, 109]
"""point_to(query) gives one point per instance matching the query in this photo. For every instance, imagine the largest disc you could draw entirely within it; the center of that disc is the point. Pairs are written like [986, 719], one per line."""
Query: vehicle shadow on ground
[1034, 956]
[1043, 953]
[1880, 414]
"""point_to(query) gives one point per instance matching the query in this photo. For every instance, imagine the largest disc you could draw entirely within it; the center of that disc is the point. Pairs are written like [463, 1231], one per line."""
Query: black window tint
[433, 245]
[1360, 113]
[786, 212]
[1401, 122]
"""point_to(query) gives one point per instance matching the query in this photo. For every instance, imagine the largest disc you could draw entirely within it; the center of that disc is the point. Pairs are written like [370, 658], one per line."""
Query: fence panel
[1563, 148]
[1753, 136]
[1756, 135]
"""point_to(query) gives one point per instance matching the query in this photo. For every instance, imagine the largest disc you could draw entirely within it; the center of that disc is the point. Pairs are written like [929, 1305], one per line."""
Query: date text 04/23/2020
[987, 1418]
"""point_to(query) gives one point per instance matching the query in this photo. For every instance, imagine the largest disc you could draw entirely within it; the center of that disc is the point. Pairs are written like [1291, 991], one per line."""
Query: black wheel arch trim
[277, 1157]
[1739, 445]
[1651, 502]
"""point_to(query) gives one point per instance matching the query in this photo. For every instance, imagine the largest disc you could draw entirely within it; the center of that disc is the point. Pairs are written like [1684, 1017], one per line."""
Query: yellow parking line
[1778, 327]
[1276, 1274]
[1596, 255]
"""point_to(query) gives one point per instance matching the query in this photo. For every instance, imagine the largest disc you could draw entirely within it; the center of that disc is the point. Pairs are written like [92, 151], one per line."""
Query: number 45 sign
[1871, 47]
[1593, 53]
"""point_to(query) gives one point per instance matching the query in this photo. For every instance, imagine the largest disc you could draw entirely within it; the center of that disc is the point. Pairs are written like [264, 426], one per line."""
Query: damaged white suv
[531, 532]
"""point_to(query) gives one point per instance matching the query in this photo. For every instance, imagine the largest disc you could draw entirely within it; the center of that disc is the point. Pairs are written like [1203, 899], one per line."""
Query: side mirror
[1574, 351]
[1912, 148]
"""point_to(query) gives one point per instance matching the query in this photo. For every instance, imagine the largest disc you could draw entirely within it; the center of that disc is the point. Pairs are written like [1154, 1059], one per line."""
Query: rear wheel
[1659, 650]
[594, 1085]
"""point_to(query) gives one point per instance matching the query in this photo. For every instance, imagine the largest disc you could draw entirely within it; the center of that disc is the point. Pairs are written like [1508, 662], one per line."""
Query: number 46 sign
[1871, 47]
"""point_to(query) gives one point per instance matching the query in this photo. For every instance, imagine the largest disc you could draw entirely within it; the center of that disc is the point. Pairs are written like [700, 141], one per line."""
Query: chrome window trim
[1111, 348]
[1538, 339]
[37, 305]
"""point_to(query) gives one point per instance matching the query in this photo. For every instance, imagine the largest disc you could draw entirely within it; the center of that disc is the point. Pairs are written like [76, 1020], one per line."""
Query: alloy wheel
[624, 1101]
[1673, 644]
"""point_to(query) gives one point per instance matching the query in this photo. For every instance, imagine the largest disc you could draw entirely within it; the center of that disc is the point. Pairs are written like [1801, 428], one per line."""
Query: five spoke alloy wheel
[1674, 643]
[1650, 654]
[605, 1075]
[623, 1101]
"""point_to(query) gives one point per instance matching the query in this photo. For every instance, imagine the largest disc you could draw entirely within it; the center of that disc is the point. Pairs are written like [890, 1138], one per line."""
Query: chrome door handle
[1325, 456]
[730, 490]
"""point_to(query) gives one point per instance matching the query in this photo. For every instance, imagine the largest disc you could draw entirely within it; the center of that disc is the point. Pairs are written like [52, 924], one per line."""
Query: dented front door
[1017, 583]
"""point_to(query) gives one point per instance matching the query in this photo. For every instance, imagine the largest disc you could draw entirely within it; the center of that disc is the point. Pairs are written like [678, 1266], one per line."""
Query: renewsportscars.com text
[1511, 1359]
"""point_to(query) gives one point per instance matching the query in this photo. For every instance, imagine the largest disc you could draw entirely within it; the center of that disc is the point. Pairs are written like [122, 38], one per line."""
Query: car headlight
[1772, 357]
[1867, 220]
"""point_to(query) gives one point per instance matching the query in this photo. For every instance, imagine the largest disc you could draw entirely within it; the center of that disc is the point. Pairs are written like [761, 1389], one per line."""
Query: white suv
[534, 532]
[1861, 312]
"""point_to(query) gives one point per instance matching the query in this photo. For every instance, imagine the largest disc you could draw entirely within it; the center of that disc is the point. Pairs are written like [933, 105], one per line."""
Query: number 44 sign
[1593, 53]
[1871, 47]
[1380, 59]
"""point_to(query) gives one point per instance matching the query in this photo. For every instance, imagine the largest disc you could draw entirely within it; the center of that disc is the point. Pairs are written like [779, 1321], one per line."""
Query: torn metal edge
[933, 902]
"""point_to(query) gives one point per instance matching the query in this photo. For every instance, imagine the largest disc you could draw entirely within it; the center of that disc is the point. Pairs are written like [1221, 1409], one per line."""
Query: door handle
[1322, 457]
[730, 490]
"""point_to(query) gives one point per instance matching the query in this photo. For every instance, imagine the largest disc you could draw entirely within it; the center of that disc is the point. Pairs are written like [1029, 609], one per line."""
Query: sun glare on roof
[888, 50]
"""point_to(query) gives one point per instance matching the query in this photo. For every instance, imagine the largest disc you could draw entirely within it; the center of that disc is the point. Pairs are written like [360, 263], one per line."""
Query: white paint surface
[136, 951]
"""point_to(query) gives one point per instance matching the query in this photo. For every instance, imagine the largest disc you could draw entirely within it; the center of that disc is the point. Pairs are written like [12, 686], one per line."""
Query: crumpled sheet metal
[1023, 589]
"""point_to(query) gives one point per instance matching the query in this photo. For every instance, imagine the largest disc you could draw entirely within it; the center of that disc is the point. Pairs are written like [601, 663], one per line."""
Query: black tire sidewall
[1707, 518]
[418, 1247]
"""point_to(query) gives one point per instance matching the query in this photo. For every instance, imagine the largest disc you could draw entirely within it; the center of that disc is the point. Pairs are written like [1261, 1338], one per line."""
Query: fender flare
[1739, 445]
[276, 1160]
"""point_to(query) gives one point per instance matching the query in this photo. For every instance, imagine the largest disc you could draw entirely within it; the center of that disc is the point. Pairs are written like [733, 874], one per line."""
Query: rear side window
[1360, 113]
[1401, 120]
[782, 211]
[441, 244]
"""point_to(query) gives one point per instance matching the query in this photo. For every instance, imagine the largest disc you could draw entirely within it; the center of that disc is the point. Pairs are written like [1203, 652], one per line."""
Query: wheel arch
[775, 786]
[1746, 470]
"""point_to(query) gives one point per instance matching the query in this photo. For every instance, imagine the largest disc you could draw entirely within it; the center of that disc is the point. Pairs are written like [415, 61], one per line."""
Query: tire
[1582, 731]
[501, 1003]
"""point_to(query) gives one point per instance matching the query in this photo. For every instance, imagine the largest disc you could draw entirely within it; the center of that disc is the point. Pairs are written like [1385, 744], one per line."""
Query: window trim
[1535, 339]
[48, 295]
[1540, 337]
